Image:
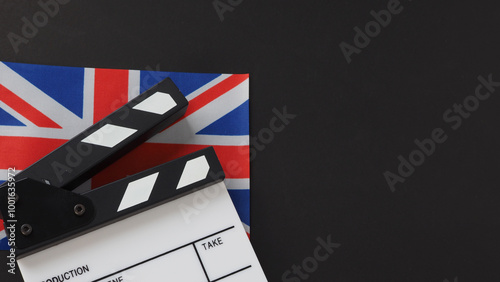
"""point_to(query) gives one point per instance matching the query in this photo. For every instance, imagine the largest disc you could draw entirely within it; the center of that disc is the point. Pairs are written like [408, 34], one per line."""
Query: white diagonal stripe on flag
[31, 130]
[177, 133]
[34, 96]
[16, 115]
[207, 86]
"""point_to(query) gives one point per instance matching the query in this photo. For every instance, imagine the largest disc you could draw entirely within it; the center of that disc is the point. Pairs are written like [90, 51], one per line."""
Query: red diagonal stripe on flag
[110, 91]
[25, 109]
[213, 93]
[21, 152]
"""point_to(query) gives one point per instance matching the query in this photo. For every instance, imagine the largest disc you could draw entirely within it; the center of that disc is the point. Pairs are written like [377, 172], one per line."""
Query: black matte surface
[323, 173]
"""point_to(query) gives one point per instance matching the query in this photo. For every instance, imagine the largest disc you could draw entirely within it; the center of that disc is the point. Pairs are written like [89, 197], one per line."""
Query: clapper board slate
[85, 241]
[41, 107]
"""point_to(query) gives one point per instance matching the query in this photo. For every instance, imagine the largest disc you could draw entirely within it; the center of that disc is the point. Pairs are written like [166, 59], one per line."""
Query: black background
[323, 174]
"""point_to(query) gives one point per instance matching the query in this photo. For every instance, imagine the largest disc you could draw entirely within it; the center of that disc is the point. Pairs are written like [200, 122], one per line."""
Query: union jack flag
[41, 107]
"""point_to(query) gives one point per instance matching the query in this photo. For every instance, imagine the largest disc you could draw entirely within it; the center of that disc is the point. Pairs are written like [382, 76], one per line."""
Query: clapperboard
[133, 229]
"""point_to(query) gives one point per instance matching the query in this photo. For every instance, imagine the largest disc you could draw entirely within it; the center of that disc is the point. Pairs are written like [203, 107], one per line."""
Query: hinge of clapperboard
[48, 212]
